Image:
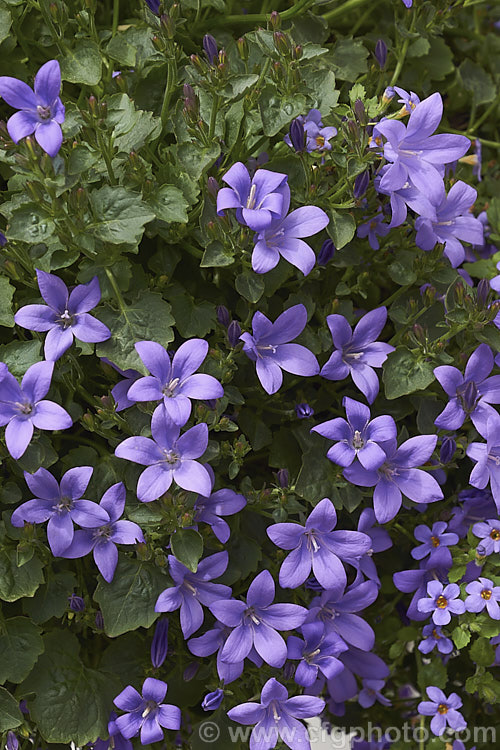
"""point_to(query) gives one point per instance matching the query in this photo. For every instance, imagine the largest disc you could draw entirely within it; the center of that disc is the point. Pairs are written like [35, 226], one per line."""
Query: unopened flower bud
[99, 620]
[198, 64]
[223, 315]
[159, 644]
[304, 411]
[158, 43]
[326, 253]
[211, 50]
[360, 111]
[281, 43]
[448, 448]
[361, 184]
[242, 45]
[388, 94]
[381, 53]
[212, 187]
[12, 741]
[419, 333]
[190, 100]
[212, 700]
[190, 671]
[483, 292]
[222, 60]
[297, 51]
[168, 25]
[353, 129]
[76, 603]
[275, 21]
[283, 477]
[297, 135]
[233, 333]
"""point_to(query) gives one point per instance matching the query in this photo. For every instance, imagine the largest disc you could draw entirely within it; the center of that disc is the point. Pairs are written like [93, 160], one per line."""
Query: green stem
[342, 9]
[254, 18]
[402, 55]
[485, 114]
[213, 116]
[396, 294]
[169, 89]
[118, 294]
[492, 144]
[116, 14]
[107, 160]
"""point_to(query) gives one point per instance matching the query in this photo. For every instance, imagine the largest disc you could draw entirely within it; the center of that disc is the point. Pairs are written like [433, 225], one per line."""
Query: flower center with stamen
[309, 657]
[66, 319]
[441, 602]
[104, 532]
[150, 706]
[495, 535]
[251, 197]
[169, 389]
[190, 587]
[320, 141]
[486, 594]
[65, 504]
[43, 113]
[25, 407]
[311, 542]
[171, 457]
[250, 614]
[435, 634]
[266, 348]
[435, 541]
[442, 708]
[357, 440]
[276, 715]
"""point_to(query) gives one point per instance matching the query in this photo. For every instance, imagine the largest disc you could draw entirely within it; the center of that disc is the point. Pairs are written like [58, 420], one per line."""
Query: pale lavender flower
[317, 652]
[489, 532]
[483, 594]
[370, 694]
[146, 713]
[442, 601]
[487, 458]
[433, 636]
[223, 502]
[213, 700]
[373, 229]
[316, 136]
[214, 640]
[443, 710]
[337, 610]
[432, 540]
[257, 201]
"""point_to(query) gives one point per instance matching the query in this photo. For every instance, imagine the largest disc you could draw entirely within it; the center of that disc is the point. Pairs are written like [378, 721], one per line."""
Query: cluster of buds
[214, 65]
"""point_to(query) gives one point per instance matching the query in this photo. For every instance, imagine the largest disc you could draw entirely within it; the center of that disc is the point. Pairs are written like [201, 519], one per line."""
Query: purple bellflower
[410, 100]
[337, 609]
[40, 111]
[373, 229]
[478, 505]
[317, 136]
[317, 651]
[405, 197]
[276, 716]
[483, 594]
[268, 347]
[379, 542]
[442, 601]
[470, 394]
[413, 151]
[120, 390]
[256, 622]
[66, 315]
[168, 458]
[316, 546]
[434, 568]
[450, 222]
[23, 407]
[370, 694]
[191, 590]
[102, 540]
[115, 741]
[357, 352]
[358, 437]
[283, 238]
[223, 502]
[257, 201]
[489, 532]
[60, 504]
[433, 636]
[154, 6]
[399, 476]
[432, 540]
[174, 381]
[146, 713]
[487, 458]
[443, 710]
[214, 640]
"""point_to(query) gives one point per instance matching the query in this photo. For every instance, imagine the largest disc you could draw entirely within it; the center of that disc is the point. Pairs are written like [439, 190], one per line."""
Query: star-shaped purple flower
[257, 201]
[283, 238]
[442, 601]
[373, 229]
[23, 407]
[65, 316]
[268, 347]
[191, 590]
[146, 713]
[175, 381]
[168, 458]
[336, 609]
[316, 546]
[433, 539]
[214, 640]
[314, 135]
[317, 651]
[358, 437]
[357, 352]
[370, 693]
[483, 594]
[40, 111]
[433, 636]
[489, 532]
[379, 542]
[60, 504]
[102, 540]
[120, 390]
[434, 568]
[443, 710]
[487, 458]
[277, 716]
[471, 393]
[223, 502]
[256, 622]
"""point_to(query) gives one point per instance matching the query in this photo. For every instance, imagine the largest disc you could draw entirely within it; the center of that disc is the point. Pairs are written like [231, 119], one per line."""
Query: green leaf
[192, 318]
[128, 602]
[18, 582]
[20, 646]
[72, 702]
[187, 546]
[10, 715]
[216, 256]
[51, 599]
[82, 64]
[433, 674]
[30, 224]
[132, 127]
[237, 85]
[121, 51]
[250, 286]
[6, 294]
[5, 22]
[461, 637]
[405, 372]
[349, 59]
[479, 83]
[169, 204]
[489, 335]
[146, 319]
[482, 652]
[401, 270]
[196, 159]
[278, 111]
[341, 228]
[119, 215]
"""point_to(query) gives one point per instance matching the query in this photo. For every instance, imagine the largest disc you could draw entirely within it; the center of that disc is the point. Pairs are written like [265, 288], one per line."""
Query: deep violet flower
[102, 540]
[379, 542]
[443, 710]
[317, 136]
[370, 694]
[66, 315]
[414, 151]
[168, 458]
[146, 713]
[433, 636]
[399, 476]
[40, 111]
[433, 539]
[358, 437]
[317, 652]
[405, 197]
[159, 644]
[304, 411]
[442, 601]
[373, 229]
[191, 590]
[268, 347]
[283, 238]
[120, 390]
[489, 532]
[257, 201]
[337, 610]
[483, 594]
[213, 700]
[223, 502]
[357, 352]
[276, 716]
[154, 6]
[451, 222]
[60, 504]
[214, 640]
[174, 381]
[471, 393]
[23, 407]
[256, 622]
[318, 547]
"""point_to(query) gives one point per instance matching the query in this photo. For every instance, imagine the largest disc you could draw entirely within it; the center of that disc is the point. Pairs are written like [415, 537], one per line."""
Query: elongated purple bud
[303, 411]
[381, 53]
[483, 292]
[233, 333]
[223, 315]
[154, 6]
[283, 477]
[190, 671]
[275, 20]
[99, 620]
[361, 184]
[297, 135]
[326, 253]
[212, 700]
[211, 50]
[76, 603]
[159, 644]
[448, 448]
[12, 741]
[360, 111]
[212, 187]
